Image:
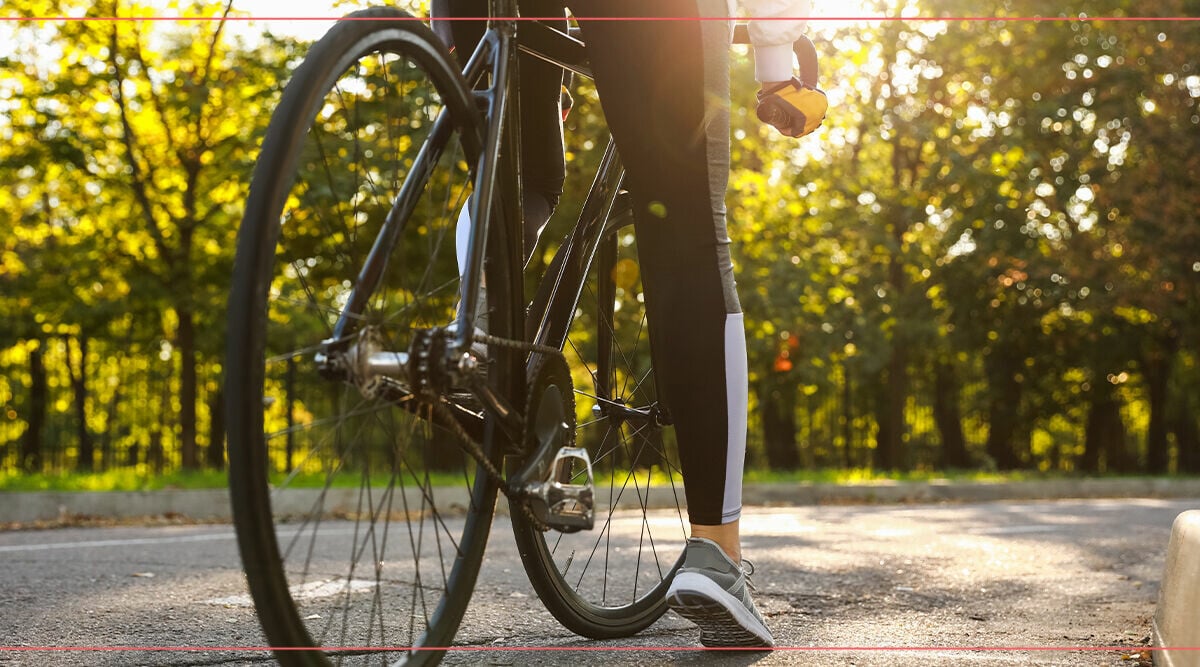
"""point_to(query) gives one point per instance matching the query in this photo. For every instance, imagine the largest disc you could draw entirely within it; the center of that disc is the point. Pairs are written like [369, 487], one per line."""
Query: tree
[132, 148]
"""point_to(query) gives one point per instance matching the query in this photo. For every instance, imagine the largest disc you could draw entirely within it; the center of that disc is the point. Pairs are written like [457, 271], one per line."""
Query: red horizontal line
[1007, 19]
[566, 649]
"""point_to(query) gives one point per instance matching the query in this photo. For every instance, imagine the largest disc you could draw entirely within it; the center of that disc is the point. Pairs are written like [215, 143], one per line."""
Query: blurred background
[987, 260]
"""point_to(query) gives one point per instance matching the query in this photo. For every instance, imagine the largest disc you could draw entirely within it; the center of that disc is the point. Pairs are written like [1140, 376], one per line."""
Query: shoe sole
[723, 620]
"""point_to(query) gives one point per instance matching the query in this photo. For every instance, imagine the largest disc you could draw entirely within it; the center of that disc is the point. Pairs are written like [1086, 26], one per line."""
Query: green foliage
[119, 479]
[995, 232]
[993, 200]
[127, 146]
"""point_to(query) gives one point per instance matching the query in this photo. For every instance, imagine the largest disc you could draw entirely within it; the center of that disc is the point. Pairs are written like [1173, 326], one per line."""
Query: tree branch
[129, 140]
[191, 162]
[162, 113]
[206, 72]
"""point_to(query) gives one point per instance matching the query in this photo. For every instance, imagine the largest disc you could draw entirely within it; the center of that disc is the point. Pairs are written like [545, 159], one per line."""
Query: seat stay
[561, 287]
[487, 181]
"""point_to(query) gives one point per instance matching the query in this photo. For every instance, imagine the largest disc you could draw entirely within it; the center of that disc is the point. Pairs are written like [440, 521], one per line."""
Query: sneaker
[713, 592]
[792, 107]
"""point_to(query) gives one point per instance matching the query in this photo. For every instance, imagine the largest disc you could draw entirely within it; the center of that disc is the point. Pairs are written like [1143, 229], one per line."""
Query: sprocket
[549, 427]
[549, 409]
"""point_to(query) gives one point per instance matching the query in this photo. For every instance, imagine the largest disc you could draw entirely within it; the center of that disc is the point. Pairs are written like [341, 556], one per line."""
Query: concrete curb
[1177, 617]
[213, 504]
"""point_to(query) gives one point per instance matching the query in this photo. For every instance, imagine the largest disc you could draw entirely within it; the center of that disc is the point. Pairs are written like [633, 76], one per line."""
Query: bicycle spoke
[620, 571]
[608, 522]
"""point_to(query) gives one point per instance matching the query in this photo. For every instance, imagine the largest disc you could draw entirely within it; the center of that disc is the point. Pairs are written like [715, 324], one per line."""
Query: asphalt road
[858, 579]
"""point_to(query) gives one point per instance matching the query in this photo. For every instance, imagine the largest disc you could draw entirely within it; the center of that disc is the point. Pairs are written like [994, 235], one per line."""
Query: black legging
[664, 88]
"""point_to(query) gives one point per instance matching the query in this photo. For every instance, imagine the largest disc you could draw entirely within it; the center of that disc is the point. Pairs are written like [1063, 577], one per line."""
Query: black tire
[612, 581]
[392, 560]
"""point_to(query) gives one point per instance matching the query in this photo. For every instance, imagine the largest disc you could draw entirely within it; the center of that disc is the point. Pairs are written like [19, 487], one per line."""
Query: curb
[1177, 617]
[213, 504]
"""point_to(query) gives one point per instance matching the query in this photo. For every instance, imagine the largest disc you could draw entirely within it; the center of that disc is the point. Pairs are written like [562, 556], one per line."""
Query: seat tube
[496, 171]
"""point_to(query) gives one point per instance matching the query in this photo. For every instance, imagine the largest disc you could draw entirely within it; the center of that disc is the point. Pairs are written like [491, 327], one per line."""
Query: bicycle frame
[497, 200]
[563, 283]
[498, 186]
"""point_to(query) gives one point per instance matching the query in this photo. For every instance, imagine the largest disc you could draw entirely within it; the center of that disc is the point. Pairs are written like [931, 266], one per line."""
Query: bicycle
[366, 406]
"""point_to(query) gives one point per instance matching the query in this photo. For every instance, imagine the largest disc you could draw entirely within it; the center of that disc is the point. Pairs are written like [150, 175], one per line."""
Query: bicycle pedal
[558, 501]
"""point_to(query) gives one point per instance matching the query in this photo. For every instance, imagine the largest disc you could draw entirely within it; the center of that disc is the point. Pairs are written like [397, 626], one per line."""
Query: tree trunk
[155, 456]
[215, 455]
[889, 414]
[778, 400]
[892, 455]
[948, 416]
[108, 438]
[186, 341]
[897, 399]
[1104, 435]
[1023, 445]
[808, 434]
[1157, 369]
[156, 452]
[31, 439]
[86, 457]
[1187, 438]
[883, 439]
[847, 417]
[1004, 401]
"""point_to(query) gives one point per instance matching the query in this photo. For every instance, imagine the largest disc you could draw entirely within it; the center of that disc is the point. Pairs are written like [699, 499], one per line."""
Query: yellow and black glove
[792, 107]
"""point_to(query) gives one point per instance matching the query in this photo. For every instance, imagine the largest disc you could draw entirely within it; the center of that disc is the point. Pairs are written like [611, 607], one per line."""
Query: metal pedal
[559, 503]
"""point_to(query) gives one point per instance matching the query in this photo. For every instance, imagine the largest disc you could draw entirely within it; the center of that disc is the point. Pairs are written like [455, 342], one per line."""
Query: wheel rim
[616, 575]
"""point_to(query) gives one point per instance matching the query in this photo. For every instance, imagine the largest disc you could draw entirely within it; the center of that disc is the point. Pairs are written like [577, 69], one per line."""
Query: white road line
[1016, 530]
[210, 537]
[136, 541]
[310, 591]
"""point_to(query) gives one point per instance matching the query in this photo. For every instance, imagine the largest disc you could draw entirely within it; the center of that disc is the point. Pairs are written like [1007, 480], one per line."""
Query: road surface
[1073, 574]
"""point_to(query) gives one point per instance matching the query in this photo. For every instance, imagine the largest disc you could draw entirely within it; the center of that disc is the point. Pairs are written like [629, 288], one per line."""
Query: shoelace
[747, 569]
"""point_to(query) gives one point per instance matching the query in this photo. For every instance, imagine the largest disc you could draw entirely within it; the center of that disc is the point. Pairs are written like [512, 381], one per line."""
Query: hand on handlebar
[795, 107]
[792, 107]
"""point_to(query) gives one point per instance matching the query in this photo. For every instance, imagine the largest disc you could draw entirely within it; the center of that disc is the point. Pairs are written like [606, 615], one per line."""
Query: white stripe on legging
[737, 397]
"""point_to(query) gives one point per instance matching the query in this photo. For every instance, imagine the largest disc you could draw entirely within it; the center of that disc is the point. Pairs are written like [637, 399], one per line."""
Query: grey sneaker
[713, 592]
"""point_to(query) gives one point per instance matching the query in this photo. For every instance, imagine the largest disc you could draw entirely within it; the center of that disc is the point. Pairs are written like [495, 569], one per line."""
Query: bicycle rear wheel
[360, 520]
[611, 581]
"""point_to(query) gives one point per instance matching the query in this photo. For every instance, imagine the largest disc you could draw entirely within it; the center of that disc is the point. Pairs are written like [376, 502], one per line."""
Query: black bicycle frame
[498, 186]
[492, 72]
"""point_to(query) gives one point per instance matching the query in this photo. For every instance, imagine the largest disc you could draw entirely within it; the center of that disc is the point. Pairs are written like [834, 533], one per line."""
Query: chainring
[549, 405]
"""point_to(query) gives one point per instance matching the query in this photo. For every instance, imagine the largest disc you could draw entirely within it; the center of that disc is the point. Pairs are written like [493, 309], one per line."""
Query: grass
[123, 479]
[137, 479]
[867, 476]
[142, 479]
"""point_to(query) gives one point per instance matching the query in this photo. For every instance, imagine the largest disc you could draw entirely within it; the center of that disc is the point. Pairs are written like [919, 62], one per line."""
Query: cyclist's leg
[664, 87]
[543, 166]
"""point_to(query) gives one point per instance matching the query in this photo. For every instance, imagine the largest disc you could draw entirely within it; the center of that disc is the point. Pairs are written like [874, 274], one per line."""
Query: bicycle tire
[351, 111]
[581, 601]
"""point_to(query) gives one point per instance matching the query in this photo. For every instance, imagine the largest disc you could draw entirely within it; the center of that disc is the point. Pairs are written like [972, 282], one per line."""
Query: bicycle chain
[474, 450]
[517, 344]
